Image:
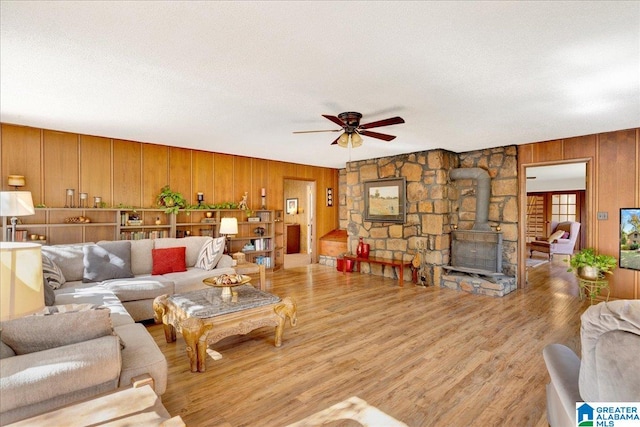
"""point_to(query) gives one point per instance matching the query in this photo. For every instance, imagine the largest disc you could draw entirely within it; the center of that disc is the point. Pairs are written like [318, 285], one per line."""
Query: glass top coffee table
[205, 317]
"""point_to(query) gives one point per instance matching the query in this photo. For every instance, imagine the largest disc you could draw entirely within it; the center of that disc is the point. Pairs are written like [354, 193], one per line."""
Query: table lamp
[21, 282]
[228, 227]
[14, 204]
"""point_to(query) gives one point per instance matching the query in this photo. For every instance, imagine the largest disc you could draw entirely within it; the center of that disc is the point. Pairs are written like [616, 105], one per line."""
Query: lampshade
[229, 226]
[16, 203]
[16, 181]
[356, 140]
[343, 141]
[21, 283]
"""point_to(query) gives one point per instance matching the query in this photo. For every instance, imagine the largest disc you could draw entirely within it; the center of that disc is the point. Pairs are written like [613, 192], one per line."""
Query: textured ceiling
[240, 77]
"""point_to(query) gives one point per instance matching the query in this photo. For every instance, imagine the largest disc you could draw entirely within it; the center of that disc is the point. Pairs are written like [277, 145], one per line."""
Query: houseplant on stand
[590, 268]
[587, 264]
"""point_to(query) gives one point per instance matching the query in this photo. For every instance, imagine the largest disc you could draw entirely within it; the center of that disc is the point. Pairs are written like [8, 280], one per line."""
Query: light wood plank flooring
[426, 356]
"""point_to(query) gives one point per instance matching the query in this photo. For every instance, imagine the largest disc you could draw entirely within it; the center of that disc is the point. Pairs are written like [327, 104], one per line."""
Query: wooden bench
[400, 264]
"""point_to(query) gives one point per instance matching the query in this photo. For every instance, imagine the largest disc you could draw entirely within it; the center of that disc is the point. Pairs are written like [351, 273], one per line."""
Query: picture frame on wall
[385, 200]
[630, 238]
[292, 206]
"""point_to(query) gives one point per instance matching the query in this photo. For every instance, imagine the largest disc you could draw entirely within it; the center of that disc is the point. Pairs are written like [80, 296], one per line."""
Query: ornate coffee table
[203, 317]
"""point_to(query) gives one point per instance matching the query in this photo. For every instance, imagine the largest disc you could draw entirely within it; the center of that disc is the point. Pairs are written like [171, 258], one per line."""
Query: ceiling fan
[352, 129]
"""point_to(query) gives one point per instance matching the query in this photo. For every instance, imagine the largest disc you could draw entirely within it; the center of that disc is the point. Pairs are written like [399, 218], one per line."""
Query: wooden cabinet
[292, 238]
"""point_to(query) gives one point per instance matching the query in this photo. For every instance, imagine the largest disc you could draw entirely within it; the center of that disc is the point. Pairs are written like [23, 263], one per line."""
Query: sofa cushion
[139, 288]
[107, 260]
[141, 260]
[5, 350]
[52, 273]
[193, 244]
[141, 356]
[210, 254]
[97, 295]
[168, 260]
[37, 333]
[49, 379]
[70, 259]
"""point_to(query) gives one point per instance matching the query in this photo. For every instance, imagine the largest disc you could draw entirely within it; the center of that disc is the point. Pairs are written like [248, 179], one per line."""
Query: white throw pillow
[555, 236]
[210, 254]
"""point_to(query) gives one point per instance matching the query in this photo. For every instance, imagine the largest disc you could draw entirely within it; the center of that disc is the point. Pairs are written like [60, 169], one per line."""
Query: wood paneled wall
[132, 173]
[613, 182]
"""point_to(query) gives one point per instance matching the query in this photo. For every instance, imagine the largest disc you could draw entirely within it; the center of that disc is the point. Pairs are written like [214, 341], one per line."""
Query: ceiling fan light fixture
[343, 141]
[356, 140]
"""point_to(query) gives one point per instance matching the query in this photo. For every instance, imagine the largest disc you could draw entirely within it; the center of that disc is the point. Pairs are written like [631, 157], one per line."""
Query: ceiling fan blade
[378, 135]
[336, 141]
[314, 131]
[334, 119]
[385, 122]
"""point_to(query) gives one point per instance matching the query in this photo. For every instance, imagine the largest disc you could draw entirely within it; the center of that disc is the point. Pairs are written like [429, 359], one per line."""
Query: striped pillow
[52, 273]
[210, 254]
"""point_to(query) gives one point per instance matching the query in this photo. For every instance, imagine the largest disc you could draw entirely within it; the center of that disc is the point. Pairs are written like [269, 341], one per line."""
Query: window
[563, 207]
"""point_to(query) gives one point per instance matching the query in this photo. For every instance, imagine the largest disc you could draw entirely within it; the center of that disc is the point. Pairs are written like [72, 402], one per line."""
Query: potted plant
[592, 266]
[171, 200]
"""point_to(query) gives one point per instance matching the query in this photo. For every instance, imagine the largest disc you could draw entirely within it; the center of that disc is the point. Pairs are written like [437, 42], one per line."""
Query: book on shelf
[140, 235]
[21, 235]
[263, 260]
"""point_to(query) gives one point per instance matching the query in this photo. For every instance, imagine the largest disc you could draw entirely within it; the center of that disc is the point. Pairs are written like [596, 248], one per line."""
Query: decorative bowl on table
[226, 282]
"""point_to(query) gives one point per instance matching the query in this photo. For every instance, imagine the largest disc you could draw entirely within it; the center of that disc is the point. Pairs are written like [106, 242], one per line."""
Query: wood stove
[478, 252]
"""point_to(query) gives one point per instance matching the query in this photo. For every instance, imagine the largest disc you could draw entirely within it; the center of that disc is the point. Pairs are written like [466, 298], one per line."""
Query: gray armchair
[610, 366]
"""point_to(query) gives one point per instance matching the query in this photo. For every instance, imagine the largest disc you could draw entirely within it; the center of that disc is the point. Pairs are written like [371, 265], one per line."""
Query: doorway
[552, 192]
[299, 222]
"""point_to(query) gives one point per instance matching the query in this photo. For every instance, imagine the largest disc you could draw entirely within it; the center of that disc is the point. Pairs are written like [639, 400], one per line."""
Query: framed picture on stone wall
[385, 200]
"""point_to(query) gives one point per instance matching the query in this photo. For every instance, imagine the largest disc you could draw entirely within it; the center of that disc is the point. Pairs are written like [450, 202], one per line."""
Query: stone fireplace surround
[436, 205]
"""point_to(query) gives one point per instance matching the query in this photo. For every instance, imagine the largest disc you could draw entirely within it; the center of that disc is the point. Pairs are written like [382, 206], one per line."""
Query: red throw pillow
[168, 260]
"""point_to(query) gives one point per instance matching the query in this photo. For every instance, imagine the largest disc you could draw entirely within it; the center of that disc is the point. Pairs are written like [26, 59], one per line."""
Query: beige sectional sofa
[137, 293]
[48, 361]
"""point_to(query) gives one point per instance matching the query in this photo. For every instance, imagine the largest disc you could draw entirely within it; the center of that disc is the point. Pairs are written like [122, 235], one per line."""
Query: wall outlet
[603, 215]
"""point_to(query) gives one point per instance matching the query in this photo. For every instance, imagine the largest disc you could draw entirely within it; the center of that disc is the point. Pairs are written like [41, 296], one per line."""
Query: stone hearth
[495, 287]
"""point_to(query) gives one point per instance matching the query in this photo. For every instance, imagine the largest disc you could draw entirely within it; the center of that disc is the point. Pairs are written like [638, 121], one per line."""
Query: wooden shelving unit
[117, 224]
[279, 238]
[258, 248]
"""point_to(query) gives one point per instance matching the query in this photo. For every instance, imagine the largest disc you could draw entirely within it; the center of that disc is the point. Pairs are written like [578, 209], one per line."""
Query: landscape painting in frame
[384, 200]
[630, 238]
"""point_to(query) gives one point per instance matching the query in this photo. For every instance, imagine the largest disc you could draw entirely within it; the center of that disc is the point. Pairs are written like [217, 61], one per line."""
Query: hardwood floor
[425, 356]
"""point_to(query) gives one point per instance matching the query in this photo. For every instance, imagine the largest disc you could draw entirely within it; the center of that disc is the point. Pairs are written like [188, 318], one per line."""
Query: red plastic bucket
[340, 263]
